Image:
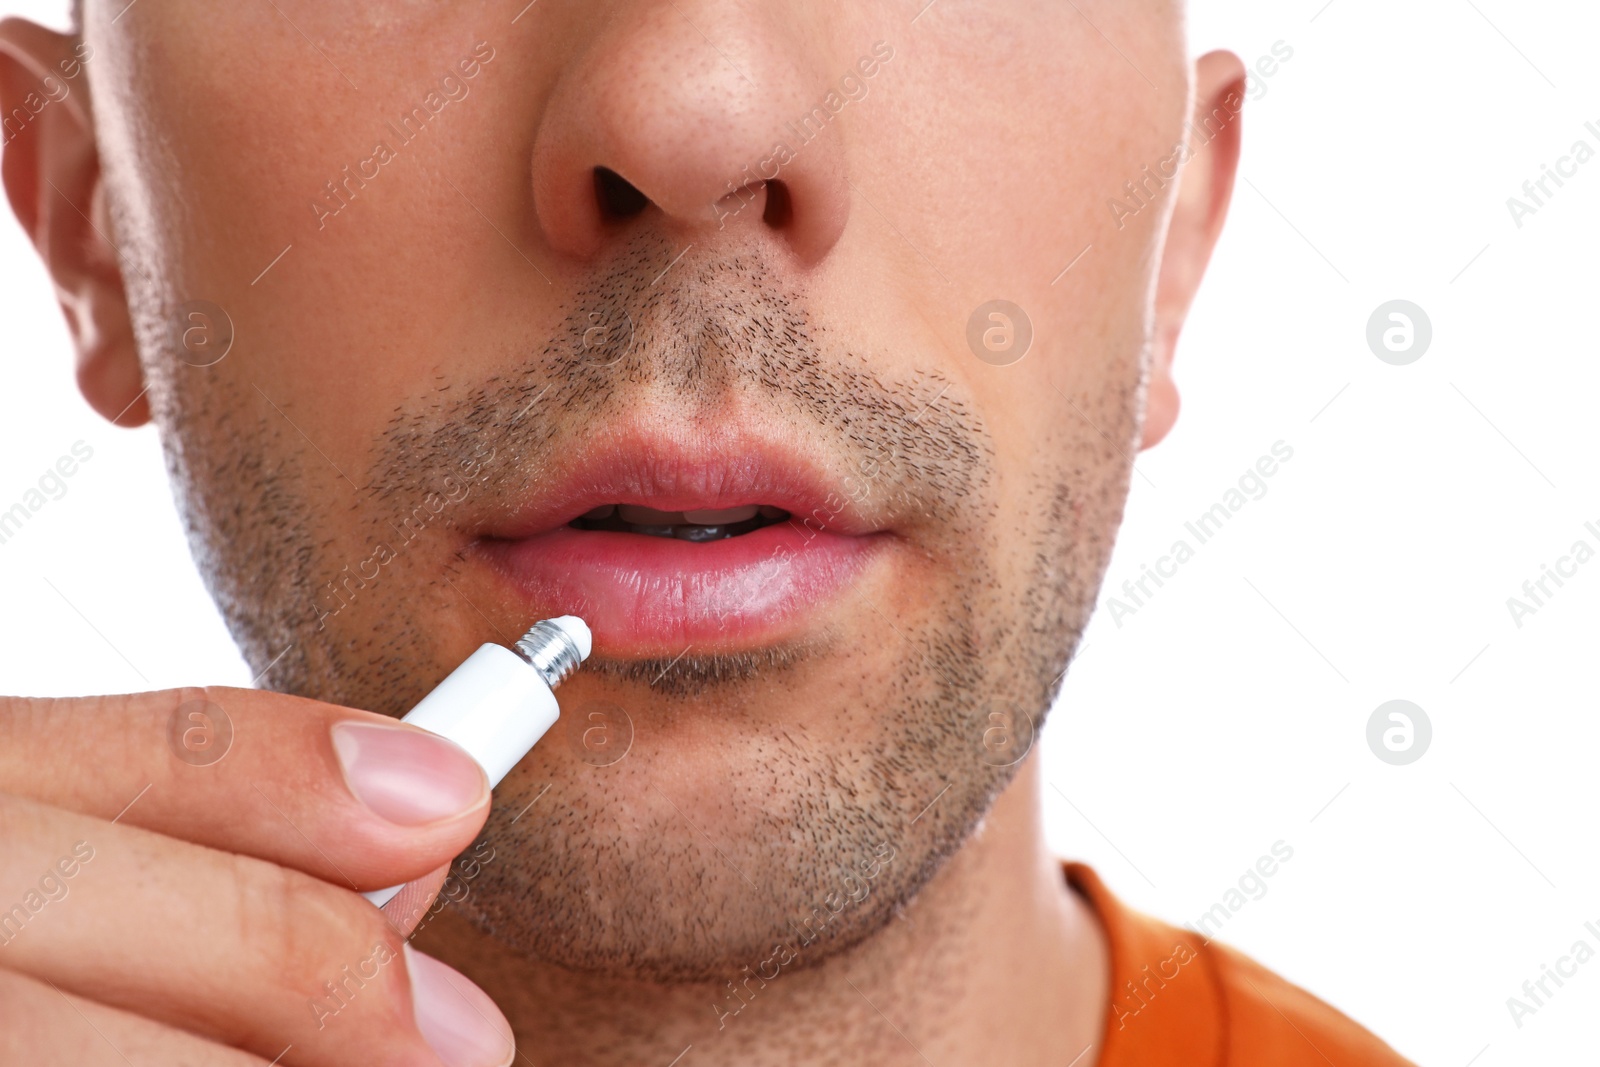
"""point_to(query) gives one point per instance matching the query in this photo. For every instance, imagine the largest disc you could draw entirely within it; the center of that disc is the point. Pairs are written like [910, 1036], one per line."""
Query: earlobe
[51, 170]
[1160, 405]
[1205, 188]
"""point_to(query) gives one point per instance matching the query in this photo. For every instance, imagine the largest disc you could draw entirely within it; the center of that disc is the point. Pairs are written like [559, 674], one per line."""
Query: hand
[179, 876]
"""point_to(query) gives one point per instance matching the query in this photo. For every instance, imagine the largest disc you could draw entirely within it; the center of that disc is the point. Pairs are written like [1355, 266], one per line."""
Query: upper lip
[698, 469]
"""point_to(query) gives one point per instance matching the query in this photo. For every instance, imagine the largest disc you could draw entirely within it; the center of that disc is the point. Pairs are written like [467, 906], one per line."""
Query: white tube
[499, 703]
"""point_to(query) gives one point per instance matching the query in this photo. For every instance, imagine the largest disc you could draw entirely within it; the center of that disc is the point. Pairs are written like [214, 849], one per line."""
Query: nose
[701, 117]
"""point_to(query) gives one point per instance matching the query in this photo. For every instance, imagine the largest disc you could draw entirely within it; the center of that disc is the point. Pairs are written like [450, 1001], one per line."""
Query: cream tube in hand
[498, 703]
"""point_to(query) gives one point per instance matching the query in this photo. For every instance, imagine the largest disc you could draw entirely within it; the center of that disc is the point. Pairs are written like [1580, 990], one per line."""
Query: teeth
[689, 532]
[725, 517]
[637, 515]
[704, 524]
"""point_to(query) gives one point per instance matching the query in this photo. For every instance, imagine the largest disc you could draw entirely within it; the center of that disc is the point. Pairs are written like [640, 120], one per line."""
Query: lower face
[825, 549]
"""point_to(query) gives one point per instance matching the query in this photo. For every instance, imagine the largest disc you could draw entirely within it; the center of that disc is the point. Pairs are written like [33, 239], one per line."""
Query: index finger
[351, 797]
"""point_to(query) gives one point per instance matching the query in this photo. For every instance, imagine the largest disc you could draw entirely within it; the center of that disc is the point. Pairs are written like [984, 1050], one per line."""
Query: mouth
[716, 541]
[698, 526]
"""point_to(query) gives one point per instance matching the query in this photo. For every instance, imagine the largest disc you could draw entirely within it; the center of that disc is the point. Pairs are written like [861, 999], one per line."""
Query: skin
[426, 339]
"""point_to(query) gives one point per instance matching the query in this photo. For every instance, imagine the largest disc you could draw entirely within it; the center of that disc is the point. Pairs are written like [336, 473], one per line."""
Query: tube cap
[576, 629]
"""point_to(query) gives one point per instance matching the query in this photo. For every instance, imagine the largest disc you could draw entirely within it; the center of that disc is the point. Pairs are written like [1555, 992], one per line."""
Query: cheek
[1030, 156]
[337, 317]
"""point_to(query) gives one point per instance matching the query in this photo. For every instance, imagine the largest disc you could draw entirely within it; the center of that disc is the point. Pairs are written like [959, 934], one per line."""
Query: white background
[1228, 712]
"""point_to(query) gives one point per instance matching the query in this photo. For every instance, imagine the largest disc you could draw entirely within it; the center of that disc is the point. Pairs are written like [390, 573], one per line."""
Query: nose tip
[652, 124]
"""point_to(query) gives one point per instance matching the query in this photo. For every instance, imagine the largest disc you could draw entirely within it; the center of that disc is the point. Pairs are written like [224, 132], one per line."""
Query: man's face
[455, 333]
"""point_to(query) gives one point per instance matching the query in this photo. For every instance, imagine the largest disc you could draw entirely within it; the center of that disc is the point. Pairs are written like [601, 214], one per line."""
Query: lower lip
[645, 596]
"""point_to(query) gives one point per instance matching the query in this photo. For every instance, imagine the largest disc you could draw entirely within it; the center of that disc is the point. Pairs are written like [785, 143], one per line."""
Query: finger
[411, 905]
[44, 1027]
[354, 798]
[231, 948]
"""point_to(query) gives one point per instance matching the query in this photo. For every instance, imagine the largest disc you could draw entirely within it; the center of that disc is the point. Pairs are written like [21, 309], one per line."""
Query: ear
[1205, 186]
[51, 169]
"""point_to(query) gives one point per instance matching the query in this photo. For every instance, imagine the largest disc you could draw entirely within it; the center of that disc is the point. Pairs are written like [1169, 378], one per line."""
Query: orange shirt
[1178, 999]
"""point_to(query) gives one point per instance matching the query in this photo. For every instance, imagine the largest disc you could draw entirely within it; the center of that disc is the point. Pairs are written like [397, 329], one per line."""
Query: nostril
[780, 208]
[618, 197]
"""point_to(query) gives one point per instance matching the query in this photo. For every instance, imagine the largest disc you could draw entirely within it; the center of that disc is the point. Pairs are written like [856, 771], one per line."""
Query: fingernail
[459, 1021]
[405, 775]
